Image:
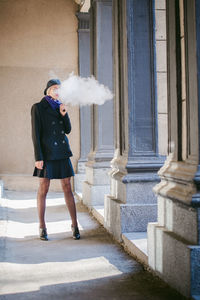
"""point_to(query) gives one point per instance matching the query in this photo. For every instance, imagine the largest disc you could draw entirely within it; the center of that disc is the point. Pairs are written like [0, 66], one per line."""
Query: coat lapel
[48, 108]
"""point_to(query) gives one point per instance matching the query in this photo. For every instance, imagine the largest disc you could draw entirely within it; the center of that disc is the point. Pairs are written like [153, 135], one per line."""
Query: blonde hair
[48, 90]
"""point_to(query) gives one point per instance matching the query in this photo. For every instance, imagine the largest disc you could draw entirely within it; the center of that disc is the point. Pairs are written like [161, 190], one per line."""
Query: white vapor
[76, 90]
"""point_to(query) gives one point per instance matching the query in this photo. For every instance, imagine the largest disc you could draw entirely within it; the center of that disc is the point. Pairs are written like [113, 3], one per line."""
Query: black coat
[49, 129]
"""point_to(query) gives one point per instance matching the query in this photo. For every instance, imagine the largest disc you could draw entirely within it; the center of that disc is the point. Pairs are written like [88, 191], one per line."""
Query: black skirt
[55, 169]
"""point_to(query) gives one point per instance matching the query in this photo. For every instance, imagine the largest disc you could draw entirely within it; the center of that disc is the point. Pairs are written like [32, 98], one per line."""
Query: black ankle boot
[75, 233]
[43, 234]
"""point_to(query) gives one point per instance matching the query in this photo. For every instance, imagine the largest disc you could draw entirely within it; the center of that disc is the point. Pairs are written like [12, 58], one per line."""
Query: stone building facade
[137, 156]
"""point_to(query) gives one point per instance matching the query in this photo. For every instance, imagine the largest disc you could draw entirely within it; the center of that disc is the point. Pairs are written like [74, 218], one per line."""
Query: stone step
[98, 213]
[78, 196]
[136, 244]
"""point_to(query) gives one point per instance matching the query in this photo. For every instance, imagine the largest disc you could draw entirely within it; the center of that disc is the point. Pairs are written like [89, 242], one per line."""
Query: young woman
[50, 124]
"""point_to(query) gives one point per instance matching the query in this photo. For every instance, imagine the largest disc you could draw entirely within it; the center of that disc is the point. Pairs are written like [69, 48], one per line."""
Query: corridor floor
[94, 267]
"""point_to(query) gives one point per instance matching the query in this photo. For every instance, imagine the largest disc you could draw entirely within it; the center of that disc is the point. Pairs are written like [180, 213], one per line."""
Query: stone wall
[39, 41]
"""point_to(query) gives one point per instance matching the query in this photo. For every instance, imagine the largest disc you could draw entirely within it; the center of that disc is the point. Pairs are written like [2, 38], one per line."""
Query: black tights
[69, 199]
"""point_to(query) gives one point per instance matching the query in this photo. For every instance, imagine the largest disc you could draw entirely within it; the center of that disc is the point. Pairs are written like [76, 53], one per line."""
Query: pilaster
[97, 180]
[136, 161]
[85, 111]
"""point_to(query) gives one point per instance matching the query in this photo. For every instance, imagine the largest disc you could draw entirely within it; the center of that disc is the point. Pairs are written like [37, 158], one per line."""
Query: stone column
[97, 180]
[161, 74]
[85, 111]
[174, 241]
[131, 203]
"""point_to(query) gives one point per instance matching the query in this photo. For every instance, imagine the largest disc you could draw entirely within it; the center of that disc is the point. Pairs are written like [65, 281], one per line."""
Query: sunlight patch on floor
[30, 203]
[27, 277]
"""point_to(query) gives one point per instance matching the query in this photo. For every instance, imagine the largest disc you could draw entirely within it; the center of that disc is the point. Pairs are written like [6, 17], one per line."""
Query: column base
[94, 194]
[132, 203]
[173, 242]
[123, 218]
[80, 178]
[78, 184]
[175, 261]
[96, 185]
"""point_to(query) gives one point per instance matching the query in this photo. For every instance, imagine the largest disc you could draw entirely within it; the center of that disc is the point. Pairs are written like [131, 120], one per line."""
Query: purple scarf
[55, 104]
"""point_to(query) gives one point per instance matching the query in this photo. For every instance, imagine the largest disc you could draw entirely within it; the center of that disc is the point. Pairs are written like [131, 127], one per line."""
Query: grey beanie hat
[50, 83]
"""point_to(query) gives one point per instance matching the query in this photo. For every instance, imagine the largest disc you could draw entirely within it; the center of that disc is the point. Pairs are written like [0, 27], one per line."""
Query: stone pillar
[85, 111]
[161, 74]
[131, 203]
[174, 241]
[97, 180]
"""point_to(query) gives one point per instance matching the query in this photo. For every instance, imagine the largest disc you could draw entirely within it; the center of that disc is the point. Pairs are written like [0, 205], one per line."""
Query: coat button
[61, 122]
[53, 123]
[55, 143]
[63, 142]
[62, 132]
[54, 132]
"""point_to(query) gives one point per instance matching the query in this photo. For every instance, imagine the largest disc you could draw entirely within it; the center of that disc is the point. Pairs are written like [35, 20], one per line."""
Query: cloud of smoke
[76, 90]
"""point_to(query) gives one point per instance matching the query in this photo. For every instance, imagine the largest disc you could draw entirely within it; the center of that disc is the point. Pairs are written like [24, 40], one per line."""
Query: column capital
[83, 21]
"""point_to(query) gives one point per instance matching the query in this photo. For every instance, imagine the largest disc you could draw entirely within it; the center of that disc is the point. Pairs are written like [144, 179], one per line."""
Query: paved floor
[94, 267]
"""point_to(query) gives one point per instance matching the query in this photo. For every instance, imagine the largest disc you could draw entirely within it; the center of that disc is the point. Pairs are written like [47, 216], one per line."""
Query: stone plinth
[97, 184]
[168, 251]
[133, 205]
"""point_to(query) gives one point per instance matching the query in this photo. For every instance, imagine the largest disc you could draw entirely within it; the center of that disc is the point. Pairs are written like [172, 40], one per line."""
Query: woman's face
[53, 91]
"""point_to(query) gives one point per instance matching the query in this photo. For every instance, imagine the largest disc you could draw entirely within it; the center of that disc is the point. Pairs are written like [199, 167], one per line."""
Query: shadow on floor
[140, 286]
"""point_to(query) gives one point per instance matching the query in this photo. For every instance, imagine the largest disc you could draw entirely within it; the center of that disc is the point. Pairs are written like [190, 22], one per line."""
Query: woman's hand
[39, 164]
[63, 109]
